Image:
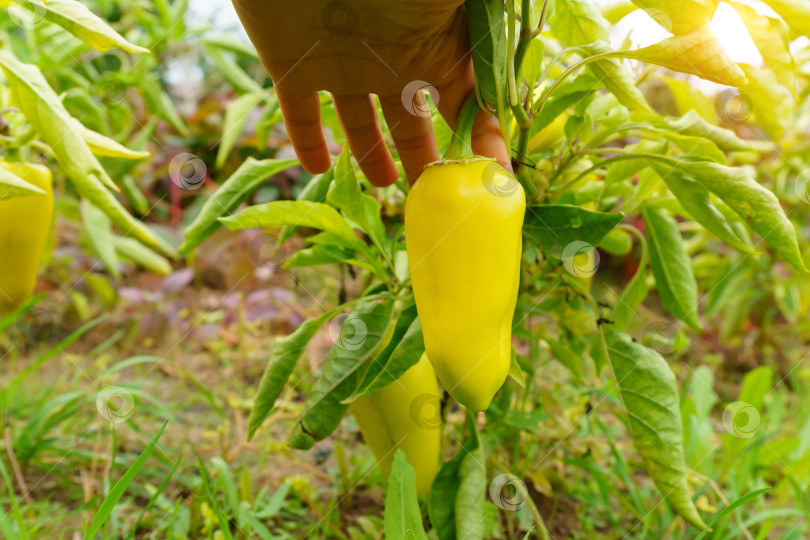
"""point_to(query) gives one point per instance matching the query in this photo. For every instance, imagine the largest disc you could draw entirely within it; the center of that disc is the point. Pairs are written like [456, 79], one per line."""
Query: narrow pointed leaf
[678, 16]
[756, 205]
[77, 19]
[233, 192]
[360, 335]
[286, 352]
[402, 516]
[649, 397]
[697, 52]
[671, 266]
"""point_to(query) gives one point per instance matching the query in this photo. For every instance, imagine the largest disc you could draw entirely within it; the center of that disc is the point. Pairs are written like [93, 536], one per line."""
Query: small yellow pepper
[25, 223]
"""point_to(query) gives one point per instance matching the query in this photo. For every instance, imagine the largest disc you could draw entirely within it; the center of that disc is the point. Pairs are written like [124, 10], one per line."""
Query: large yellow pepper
[405, 414]
[25, 223]
[463, 223]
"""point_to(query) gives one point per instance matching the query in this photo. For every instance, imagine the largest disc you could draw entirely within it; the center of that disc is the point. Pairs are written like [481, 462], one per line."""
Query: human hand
[363, 47]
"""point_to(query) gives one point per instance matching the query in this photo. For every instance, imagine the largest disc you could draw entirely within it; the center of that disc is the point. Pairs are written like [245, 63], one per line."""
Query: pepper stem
[460, 144]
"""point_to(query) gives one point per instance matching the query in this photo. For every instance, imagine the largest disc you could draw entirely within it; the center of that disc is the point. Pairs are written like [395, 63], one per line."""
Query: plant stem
[510, 54]
[570, 70]
[526, 32]
[461, 143]
[538, 518]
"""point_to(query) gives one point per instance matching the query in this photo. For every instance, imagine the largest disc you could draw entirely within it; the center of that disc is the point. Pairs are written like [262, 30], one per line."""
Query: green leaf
[678, 16]
[360, 335]
[315, 191]
[694, 146]
[472, 489]
[358, 207]
[649, 397]
[233, 192]
[693, 124]
[487, 28]
[12, 186]
[617, 242]
[616, 78]
[769, 101]
[104, 146]
[633, 294]
[796, 14]
[671, 265]
[736, 503]
[286, 352]
[160, 104]
[564, 355]
[134, 251]
[233, 44]
[297, 214]
[567, 95]
[231, 71]
[533, 61]
[757, 206]
[237, 113]
[77, 19]
[316, 255]
[403, 520]
[44, 111]
[98, 228]
[404, 351]
[697, 52]
[696, 199]
[117, 491]
[515, 372]
[452, 500]
[727, 286]
[770, 35]
[553, 227]
[579, 22]
[687, 98]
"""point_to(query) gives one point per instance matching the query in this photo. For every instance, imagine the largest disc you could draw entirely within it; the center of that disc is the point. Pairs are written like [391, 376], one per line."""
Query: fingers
[487, 139]
[358, 116]
[302, 118]
[412, 134]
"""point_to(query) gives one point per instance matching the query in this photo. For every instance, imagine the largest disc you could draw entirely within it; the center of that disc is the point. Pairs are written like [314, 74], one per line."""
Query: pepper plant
[608, 175]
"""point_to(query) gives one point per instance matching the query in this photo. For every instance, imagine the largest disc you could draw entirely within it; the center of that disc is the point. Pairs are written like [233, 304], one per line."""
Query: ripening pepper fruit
[463, 220]
[463, 225]
[405, 414]
[25, 223]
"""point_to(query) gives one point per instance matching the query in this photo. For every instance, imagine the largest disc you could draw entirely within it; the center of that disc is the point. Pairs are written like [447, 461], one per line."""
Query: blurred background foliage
[190, 343]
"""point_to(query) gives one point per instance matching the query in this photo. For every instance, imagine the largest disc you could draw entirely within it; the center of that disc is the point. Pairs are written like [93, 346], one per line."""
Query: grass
[173, 462]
